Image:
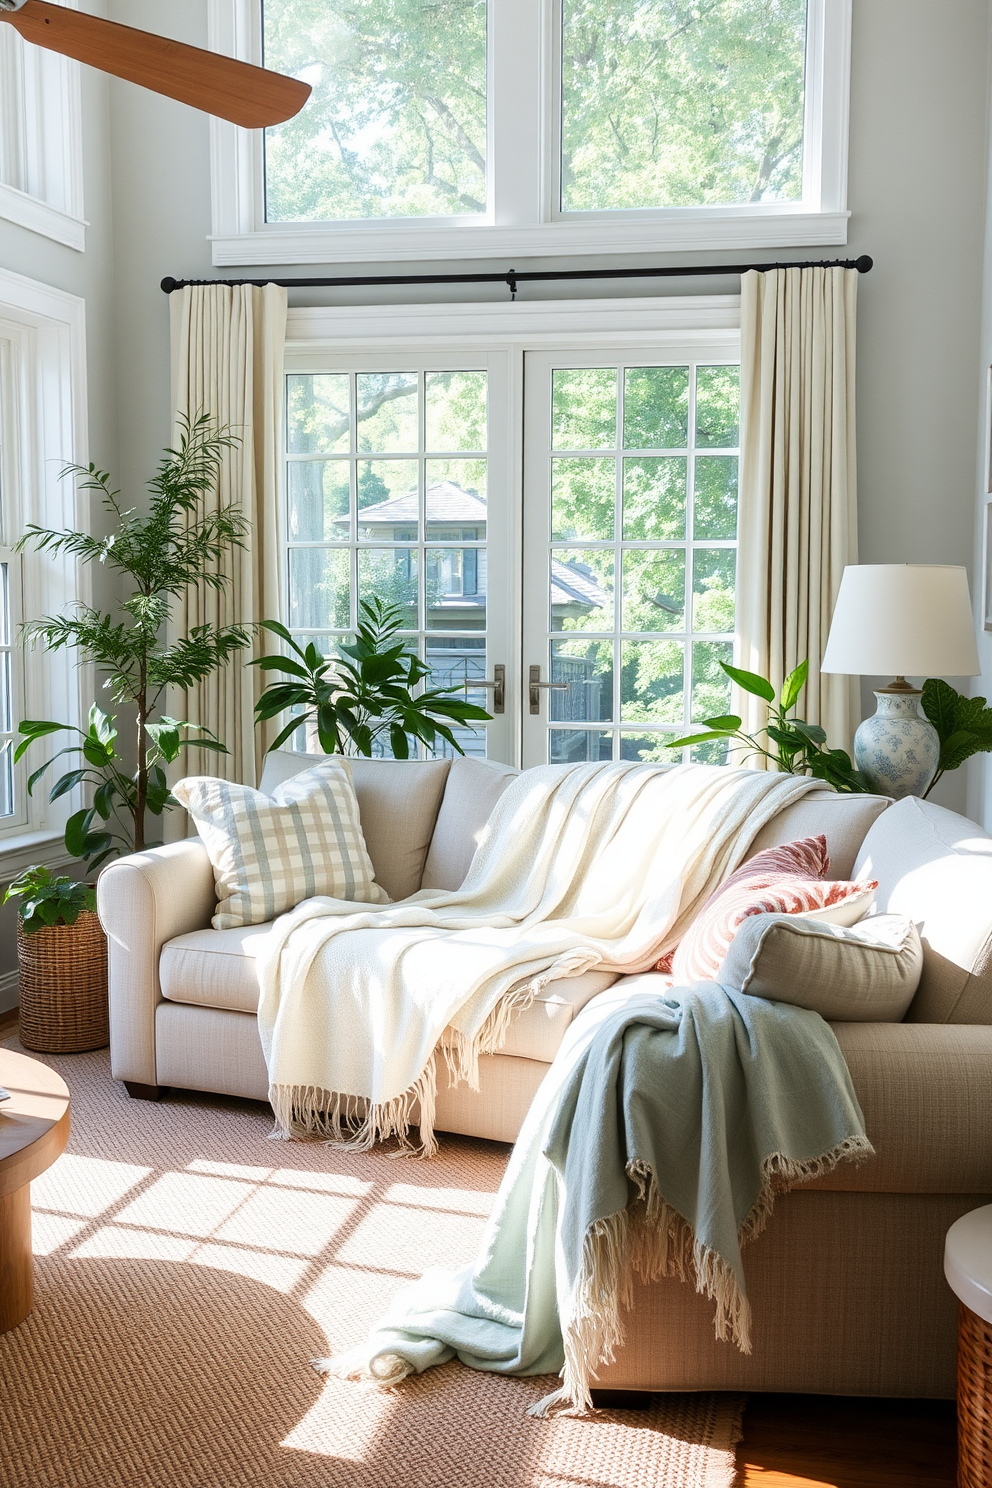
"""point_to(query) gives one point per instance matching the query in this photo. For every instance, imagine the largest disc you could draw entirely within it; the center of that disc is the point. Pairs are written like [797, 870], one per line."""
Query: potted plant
[364, 697]
[176, 545]
[62, 955]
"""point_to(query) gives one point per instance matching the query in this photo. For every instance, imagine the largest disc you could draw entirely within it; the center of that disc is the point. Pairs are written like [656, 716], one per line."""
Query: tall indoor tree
[159, 555]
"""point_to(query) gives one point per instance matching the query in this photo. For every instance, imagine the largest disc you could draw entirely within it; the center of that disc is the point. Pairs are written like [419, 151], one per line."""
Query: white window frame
[42, 334]
[523, 216]
[41, 111]
[324, 338]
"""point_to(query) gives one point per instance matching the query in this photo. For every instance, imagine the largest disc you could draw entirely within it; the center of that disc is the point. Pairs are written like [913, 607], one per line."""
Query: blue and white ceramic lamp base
[897, 748]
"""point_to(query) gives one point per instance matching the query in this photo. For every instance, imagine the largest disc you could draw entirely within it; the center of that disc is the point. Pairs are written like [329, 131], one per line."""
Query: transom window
[538, 125]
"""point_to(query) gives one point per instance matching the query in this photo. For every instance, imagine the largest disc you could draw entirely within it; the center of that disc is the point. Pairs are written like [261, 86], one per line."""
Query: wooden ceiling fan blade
[250, 96]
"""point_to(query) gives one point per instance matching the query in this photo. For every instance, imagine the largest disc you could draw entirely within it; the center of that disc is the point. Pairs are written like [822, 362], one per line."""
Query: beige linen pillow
[271, 852]
[864, 973]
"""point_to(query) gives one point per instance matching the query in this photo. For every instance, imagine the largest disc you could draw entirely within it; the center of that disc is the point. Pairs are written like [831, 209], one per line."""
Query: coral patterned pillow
[781, 880]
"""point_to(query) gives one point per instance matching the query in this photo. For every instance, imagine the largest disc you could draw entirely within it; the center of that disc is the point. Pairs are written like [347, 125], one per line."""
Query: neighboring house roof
[575, 584]
[446, 502]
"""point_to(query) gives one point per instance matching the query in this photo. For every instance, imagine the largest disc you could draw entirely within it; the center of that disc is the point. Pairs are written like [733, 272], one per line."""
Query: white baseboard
[10, 990]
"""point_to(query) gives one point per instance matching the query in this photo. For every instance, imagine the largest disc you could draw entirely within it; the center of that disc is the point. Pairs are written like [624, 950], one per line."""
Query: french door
[629, 551]
[557, 529]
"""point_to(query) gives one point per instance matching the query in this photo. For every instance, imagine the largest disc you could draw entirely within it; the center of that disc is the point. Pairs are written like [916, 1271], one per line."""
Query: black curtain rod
[532, 276]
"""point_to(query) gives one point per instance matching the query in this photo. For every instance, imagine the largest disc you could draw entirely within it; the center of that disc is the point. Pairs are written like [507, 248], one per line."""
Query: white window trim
[684, 324]
[45, 328]
[47, 98]
[523, 219]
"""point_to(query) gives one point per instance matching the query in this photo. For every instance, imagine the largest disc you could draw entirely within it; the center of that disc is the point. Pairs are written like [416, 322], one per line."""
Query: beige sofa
[847, 1281]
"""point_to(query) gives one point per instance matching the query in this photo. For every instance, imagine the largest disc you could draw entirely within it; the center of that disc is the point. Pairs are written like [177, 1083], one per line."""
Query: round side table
[34, 1129]
[968, 1268]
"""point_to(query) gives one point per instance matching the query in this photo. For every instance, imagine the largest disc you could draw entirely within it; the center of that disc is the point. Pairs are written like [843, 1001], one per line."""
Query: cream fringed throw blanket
[582, 866]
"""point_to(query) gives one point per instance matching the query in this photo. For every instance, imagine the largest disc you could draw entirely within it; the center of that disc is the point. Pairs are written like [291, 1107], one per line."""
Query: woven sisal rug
[188, 1269]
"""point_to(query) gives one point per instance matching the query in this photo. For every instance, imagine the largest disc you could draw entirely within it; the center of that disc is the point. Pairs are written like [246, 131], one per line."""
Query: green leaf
[399, 741]
[66, 783]
[813, 731]
[793, 686]
[76, 829]
[750, 682]
[287, 733]
[725, 721]
[690, 739]
[940, 704]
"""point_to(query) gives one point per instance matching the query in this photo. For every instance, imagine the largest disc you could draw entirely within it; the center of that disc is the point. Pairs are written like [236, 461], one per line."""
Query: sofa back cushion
[472, 790]
[843, 819]
[398, 802]
[935, 867]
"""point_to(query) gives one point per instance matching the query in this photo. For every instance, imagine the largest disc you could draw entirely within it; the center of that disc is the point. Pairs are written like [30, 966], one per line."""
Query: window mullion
[519, 117]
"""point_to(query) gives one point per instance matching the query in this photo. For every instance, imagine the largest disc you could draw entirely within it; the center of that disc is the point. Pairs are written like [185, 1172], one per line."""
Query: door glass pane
[387, 412]
[654, 495]
[396, 123]
[586, 667]
[388, 500]
[456, 411]
[456, 499]
[583, 498]
[318, 413]
[715, 504]
[651, 681]
[390, 574]
[667, 105]
[583, 408]
[656, 408]
[319, 500]
[581, 589]
[577, 746]
[718, 402]
[653, 589]
[319, 589]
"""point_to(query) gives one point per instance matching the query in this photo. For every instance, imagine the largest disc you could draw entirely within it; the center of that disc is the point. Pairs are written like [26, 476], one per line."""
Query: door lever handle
[536, 687]
[497, 682]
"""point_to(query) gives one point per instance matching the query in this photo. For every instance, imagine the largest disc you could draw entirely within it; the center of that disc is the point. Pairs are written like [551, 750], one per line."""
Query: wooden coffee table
[34, 1130]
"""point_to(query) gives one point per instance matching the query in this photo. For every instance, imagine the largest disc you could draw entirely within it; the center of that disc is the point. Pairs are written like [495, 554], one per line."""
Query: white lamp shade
[902, 620]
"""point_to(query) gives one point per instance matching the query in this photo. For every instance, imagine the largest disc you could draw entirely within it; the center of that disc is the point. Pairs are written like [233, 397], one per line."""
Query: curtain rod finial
[169, 284]
[864, 263]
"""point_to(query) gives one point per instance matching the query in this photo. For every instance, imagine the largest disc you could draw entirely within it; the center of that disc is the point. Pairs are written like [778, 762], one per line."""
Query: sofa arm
[926, 1093]
[143, 901]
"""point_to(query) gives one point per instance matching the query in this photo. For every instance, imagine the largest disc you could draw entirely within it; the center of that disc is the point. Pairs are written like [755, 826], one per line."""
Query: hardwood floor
[810, 1441]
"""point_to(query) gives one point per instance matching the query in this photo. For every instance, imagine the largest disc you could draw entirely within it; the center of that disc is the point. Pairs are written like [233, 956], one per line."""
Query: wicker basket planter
[974, 1400]
[63, 970]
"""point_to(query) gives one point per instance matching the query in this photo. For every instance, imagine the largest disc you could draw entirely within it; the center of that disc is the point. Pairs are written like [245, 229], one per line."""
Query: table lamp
[904, 619]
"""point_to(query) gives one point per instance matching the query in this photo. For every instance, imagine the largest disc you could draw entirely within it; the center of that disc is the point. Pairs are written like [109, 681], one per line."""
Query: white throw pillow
[271, 852]
[864, 973]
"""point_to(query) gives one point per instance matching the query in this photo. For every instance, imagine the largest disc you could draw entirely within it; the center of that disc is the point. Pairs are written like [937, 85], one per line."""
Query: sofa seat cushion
[213, 968]
[538, 1032]
[216, 968]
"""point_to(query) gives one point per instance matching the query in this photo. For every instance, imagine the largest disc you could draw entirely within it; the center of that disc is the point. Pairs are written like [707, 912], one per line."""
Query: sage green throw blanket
[654, 1147]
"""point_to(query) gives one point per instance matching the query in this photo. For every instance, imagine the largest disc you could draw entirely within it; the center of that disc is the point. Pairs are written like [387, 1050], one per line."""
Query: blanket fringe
[384, 1370]
[650, 1239]
[353, 1123]
[461, 1053]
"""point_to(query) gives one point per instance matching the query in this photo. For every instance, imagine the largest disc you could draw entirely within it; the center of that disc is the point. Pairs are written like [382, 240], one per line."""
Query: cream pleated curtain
[798, 483]
[228, 344]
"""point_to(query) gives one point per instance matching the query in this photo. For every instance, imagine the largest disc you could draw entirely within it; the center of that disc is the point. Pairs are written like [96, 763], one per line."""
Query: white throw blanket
[582, 866]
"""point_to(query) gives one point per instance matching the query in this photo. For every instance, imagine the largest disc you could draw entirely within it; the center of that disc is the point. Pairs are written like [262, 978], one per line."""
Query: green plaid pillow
[271, 852]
